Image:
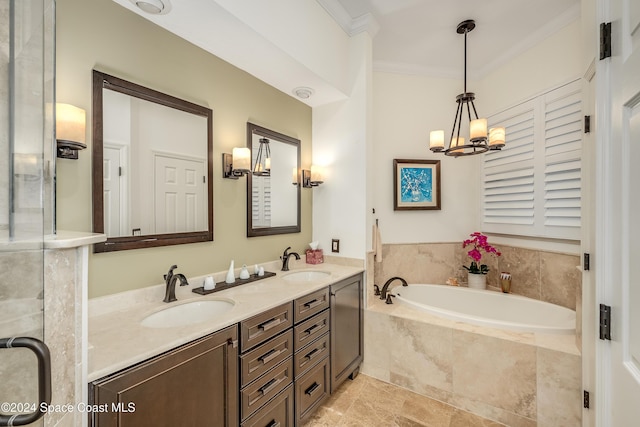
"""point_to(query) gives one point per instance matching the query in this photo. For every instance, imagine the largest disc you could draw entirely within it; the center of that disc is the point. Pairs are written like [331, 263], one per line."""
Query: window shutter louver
[532, 187]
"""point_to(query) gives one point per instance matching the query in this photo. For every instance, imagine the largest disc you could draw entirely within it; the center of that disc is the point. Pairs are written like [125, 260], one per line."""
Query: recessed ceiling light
[303, 92]
[153, 7]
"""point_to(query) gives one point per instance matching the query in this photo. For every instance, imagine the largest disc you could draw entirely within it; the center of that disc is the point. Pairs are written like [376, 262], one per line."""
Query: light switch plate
[335, 245]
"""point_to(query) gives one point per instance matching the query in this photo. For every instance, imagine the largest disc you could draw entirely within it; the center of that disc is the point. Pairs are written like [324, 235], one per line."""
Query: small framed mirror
[273, 198]
[152, 167]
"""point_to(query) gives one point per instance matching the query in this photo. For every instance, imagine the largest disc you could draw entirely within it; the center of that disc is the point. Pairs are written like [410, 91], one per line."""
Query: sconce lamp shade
[70, 130]
[478, 129]
[317, 175]
[436, 140]
[496, 138]
[241, 159]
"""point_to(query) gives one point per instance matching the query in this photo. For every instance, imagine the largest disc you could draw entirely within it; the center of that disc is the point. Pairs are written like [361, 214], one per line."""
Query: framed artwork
[416, 184]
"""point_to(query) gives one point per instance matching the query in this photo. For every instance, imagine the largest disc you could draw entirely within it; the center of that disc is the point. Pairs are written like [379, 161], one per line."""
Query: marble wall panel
[542, 275]
[421, 353]
[559, 389]
[23, 270]
[498, 372]
[61, 331]
[524, 266]
[559, 278]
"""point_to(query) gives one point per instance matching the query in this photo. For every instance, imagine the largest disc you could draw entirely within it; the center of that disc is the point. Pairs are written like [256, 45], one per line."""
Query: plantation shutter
[532, 186]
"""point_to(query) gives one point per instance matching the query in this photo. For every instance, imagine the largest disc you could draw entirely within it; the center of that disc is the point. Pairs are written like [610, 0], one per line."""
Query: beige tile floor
[368, 402]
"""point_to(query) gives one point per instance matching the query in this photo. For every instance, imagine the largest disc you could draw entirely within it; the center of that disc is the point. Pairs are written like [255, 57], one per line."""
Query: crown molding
[351, 26]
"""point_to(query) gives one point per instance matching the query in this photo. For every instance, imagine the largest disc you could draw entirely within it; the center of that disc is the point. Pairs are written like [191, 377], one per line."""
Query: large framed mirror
[273, 199]
[152, 167]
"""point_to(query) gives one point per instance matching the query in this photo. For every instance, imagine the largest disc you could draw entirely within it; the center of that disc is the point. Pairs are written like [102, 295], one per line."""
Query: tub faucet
[170, 280]
[285, 258]
[383, 292]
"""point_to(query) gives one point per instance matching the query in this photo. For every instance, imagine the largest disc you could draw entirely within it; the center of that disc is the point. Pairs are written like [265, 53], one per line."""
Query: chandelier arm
[459, 123]
[469, 111]
[474, 109]
[453, 129]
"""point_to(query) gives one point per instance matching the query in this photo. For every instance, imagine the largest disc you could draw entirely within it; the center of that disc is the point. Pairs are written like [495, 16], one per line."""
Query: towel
[377, 243]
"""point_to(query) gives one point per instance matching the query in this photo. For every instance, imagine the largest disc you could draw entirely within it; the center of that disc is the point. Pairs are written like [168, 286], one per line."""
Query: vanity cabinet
[193, 385]
[347, 343]
[266, 368]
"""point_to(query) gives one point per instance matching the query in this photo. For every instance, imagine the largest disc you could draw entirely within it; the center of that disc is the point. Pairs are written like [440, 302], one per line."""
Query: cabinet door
[346, 329]
[193, 386]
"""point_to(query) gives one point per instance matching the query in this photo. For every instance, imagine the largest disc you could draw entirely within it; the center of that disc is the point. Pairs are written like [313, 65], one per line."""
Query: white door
[180, 195]
[111, 187]
[617, 208]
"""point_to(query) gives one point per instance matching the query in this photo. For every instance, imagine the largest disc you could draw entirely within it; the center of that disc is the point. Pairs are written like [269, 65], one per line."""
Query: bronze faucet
[170, 282]
[383, 292]
[285, 258]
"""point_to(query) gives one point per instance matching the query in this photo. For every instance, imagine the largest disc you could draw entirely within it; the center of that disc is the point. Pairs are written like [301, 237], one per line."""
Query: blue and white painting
[416, 185]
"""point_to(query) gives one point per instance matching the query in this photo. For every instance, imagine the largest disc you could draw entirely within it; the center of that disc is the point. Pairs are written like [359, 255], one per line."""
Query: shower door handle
[41, 351]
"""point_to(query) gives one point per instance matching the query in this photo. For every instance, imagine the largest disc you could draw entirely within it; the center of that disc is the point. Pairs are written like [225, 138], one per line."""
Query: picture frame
[416, 184]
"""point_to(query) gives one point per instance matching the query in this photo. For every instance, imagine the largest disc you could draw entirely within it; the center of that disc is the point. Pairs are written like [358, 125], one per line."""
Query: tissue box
[314, 256]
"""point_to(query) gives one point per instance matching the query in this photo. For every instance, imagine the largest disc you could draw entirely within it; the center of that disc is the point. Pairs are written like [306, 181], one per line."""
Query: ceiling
[419, 36]
[409, 36]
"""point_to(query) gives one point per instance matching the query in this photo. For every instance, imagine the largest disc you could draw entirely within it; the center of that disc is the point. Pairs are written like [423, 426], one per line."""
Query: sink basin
[187, 313]
[306, 276]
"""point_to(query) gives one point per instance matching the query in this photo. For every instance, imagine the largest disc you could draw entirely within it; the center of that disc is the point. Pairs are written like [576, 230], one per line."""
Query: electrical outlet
[335, 245]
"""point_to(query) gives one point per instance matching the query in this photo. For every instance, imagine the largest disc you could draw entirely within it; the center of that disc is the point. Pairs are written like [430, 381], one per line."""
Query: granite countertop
[118, 340]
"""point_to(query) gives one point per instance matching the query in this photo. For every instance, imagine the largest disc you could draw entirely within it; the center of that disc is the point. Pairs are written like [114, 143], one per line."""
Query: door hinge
[585, 399]
[605, 322]
[605, 40]
[119, 170]
[586, 262]
[587, 124]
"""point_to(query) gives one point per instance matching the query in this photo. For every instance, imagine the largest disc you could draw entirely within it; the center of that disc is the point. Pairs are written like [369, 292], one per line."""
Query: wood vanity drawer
[304, 359]
[262, 390]
[260, 328]
[311, 329]
[265, 356]
[308, 305]
[277, 413]
[311, 390]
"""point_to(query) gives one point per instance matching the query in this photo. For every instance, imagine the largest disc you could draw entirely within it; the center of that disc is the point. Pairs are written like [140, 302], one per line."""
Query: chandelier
[263, 159]
[479, 140]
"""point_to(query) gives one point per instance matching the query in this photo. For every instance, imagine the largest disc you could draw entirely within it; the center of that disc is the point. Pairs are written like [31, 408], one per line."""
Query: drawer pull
[313, 303]
[313, 353]
[273, 423]
[270, 385]
[270, 324]
[310, 330]
[311, 389]
[268, 357]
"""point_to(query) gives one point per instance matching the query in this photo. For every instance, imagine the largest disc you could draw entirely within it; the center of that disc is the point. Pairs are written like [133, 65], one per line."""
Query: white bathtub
[488, 308]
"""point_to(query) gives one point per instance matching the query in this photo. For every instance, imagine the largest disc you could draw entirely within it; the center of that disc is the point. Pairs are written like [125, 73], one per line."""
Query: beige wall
[102, 35]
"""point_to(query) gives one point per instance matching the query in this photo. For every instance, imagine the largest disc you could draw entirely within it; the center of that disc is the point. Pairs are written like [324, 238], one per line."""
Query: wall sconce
[70, 131]
[236, 164]
[317, 176]
[310, 178]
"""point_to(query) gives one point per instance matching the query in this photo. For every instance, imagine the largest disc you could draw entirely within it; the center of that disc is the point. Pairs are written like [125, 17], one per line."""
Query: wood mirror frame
[274, 137]
[102, 81]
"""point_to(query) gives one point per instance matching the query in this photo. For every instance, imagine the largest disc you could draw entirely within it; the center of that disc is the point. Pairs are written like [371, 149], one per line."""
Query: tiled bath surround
[546, 276]
[519, 379]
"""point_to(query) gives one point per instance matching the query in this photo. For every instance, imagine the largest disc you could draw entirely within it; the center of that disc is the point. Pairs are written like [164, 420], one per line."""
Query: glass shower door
[26, 212]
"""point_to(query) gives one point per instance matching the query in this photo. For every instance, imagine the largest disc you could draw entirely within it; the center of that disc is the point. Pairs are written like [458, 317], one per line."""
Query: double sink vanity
[266, 353]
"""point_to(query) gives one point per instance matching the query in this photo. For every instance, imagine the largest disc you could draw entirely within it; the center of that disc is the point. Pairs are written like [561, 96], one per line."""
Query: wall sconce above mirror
[152, 167]
[70, 131]
[273, 204]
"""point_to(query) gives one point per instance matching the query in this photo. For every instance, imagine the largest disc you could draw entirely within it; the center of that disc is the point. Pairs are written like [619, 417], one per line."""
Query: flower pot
[477, 281]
